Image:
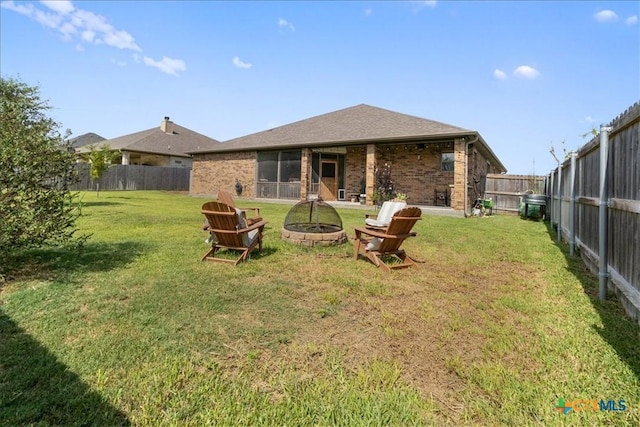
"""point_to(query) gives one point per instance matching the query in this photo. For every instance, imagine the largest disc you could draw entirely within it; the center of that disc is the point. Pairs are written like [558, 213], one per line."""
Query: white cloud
[421, 4]
[61, 6]
[526, 72]
[606, 16]
[166, 65]
[51, 20]
[103, 32]
[26, 9]
[84, 26]
[121, 40]
[238, 63]
[632, 20]
[88, 36]
[283, 23]
[368, 12]
[68, 30]
[499, 74]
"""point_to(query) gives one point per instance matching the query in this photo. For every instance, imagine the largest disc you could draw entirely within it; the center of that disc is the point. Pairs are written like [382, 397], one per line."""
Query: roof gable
[350, 125]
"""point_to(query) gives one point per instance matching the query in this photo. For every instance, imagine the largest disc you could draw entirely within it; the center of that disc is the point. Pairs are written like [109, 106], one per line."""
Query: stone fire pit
[313, 223]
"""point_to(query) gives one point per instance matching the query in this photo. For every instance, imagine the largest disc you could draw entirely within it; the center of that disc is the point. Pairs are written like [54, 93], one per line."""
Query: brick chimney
[167, 125]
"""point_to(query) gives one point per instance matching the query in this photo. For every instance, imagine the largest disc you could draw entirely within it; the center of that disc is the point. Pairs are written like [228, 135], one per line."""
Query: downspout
[603, 239]
[466, 170]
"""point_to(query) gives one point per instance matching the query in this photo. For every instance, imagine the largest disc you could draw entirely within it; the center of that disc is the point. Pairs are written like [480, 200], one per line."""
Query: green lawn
[493, 327]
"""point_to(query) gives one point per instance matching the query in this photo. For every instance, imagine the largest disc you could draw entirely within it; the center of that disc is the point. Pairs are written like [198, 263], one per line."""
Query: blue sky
[525, 75]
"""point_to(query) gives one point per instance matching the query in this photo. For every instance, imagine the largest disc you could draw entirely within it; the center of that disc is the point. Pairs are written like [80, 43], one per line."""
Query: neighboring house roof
[179, 141]
[350, 126]
[86, 139]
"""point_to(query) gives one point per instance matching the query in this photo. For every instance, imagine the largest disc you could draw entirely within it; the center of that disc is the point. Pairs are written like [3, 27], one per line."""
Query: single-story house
[167, 145]
[335, 156]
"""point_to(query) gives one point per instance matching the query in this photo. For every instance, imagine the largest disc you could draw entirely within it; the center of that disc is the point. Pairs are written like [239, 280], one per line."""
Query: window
[447, 162]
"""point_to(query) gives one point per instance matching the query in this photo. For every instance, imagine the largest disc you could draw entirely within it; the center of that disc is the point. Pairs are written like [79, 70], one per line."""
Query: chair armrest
[251, 221]
[256, 210]
[253, 226]
[370, 232]
[382, 235]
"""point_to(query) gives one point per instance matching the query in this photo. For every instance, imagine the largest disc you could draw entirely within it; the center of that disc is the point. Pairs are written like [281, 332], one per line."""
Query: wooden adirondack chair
[375, 244]
[229, 231]
[226, 198]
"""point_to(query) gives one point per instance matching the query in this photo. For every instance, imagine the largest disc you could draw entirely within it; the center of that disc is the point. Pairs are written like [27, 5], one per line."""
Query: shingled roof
[179, 142]
[353, 125]
[86, 139]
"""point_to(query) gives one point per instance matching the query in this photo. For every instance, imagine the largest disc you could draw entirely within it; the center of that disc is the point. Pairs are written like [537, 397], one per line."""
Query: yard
[494, 327]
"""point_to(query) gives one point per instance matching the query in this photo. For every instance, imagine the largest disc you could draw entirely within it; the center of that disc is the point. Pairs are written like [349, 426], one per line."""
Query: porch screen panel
[267, 185]
[290, 168]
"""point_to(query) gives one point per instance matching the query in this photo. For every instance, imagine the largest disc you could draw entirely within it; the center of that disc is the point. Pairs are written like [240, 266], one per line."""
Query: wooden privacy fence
[507, 190]
[134, 177]
[594, 200]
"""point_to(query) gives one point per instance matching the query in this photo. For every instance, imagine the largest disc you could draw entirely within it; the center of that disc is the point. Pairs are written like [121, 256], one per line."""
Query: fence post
[559, 202]
[572, 205]
[603, 273]
[552, 196]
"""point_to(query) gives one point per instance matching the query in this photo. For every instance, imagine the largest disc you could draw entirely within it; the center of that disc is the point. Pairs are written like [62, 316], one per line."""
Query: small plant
[101, 158]
[401, 197]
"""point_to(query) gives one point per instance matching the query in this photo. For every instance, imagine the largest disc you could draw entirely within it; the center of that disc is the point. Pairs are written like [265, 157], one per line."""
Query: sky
[527, 76]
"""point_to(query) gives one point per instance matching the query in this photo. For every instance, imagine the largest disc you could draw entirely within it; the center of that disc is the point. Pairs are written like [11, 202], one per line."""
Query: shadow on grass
[63, 262]
[618, 329]
[35, 388]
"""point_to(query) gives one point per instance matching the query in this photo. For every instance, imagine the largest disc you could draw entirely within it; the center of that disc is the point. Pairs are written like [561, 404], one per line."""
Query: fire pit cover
[313, 216]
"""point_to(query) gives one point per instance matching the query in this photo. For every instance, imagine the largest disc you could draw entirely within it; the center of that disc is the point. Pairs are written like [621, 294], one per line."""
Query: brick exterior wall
[478, 169]
[355, 170]
[211, 172]
[459, 178]
[416, 172]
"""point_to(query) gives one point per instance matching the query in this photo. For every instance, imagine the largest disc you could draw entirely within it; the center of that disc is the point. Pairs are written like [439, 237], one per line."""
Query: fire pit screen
[312, 223]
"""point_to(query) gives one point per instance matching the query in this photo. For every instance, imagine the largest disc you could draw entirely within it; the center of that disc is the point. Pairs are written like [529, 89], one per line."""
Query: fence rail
[134, 177]
[595, 204]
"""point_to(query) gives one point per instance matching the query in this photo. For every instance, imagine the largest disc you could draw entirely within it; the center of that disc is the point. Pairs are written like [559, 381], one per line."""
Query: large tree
[36, 169]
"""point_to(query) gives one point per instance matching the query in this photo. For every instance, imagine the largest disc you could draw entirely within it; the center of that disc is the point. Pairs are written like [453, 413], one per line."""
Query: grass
[493, 327]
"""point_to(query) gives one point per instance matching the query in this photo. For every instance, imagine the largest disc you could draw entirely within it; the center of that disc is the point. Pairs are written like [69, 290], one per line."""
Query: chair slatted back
[226, 198]
[223, 221]
[401, 224]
